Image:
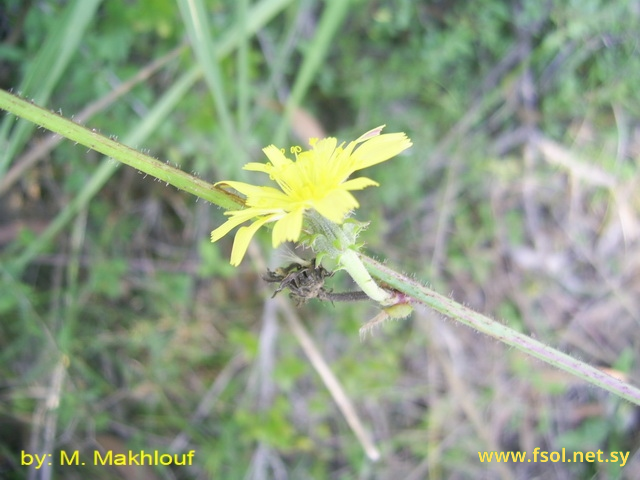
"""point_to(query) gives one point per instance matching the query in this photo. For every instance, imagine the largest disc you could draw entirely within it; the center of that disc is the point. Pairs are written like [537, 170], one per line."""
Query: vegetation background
[129, 330]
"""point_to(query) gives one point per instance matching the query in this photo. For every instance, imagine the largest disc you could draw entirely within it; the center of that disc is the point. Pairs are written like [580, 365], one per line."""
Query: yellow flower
[317, 179]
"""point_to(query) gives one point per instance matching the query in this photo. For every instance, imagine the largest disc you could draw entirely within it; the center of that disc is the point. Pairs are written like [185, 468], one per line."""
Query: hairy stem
[107, 146]
[456, 311]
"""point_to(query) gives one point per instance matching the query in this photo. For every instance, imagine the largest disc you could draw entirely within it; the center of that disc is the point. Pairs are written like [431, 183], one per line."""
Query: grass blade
[332, 18]
[194, 15]
[46, 70]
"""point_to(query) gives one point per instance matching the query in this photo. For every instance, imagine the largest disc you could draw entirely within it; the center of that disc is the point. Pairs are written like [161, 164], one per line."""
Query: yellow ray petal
[258, 167]
[275, 155]
[323, 149]
[370, 134]
[336, 205]
[244, 188]
[359, 184]
[226, 227]
[249, 213]
[288, 228]
[380, 149]
[258, 196]
[243, 237]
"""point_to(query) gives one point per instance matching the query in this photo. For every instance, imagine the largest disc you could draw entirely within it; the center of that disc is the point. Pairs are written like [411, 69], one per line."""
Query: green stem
[500, 332]
[122, 153]
[351, 262]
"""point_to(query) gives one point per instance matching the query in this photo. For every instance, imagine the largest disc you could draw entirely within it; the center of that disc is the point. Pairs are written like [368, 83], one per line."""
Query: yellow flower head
[317, 179]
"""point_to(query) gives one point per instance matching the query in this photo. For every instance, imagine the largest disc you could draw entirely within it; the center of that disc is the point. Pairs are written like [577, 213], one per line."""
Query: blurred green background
[128, 329]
